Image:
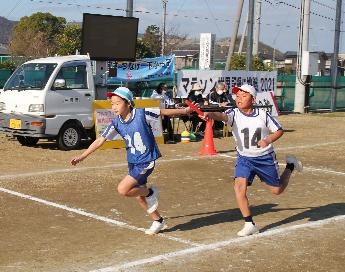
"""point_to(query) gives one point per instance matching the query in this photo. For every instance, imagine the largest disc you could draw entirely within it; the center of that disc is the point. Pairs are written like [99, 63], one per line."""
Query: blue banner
[144, 70]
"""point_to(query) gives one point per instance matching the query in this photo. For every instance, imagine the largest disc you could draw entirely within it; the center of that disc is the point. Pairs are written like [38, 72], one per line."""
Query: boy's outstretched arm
[171, 112]
[271, 138]
[218, 116]
[93, 147]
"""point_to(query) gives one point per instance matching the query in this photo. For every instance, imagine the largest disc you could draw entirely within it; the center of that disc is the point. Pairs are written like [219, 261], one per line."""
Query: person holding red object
[254, 131]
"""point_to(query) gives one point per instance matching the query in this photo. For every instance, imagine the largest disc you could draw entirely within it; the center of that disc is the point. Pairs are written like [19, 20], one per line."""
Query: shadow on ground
[312, 214]
[232, 215]
[218, 217]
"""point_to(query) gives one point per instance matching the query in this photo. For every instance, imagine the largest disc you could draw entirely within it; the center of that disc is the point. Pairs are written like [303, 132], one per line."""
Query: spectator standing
[165, 102]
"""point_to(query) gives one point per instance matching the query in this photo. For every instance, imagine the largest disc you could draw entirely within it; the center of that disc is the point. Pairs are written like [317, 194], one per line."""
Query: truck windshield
[30, 76]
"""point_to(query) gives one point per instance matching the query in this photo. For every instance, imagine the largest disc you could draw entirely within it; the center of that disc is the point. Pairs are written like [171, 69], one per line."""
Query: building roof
[290, 54]
[185, 53]
[62, 59]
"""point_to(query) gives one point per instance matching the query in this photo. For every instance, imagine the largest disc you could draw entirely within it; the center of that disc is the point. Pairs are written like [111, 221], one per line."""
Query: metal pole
[129, 10]
[234, 35]
[163, 25]
[303, 44]
[334, 68]
[274, 59]
[257, 28]
[244, 33]
[250, 36]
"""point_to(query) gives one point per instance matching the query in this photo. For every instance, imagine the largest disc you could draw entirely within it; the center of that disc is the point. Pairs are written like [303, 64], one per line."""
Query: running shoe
[248, 229]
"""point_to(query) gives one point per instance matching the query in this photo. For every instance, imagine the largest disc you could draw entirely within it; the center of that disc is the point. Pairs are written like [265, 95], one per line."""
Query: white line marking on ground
[79, 169]
[218, 245]
[308, 146]
[323, 170]
[94, 216]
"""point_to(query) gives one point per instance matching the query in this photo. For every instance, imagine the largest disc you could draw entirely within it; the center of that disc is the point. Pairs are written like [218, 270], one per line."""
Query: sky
[279, 19]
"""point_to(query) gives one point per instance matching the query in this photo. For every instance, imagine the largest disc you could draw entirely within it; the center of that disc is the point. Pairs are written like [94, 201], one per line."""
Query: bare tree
[174, 39]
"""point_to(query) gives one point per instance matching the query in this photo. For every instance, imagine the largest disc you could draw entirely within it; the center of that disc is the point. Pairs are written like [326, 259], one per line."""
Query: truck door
[72, 101]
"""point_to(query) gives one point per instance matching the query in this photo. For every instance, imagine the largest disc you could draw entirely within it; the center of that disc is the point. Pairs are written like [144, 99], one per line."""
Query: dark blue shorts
[265, 167]
[141, 171]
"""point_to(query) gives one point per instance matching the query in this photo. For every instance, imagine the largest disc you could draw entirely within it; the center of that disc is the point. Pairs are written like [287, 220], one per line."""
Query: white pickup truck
[50, 98]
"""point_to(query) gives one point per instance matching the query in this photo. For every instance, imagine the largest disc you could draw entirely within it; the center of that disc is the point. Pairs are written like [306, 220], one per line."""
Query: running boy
[133, 124]
[251, 128]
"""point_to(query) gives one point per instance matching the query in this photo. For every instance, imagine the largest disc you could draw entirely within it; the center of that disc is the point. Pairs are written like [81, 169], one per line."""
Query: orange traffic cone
[208, 144]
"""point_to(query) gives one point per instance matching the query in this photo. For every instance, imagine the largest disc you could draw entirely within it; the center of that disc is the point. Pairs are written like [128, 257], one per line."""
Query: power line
[311, 12]
[214, 18]
[176, 14]
[323, 5]
[14, 7]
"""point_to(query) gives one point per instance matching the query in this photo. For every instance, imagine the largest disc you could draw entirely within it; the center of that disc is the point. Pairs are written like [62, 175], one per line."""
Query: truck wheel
[69, 137]
[27, 141]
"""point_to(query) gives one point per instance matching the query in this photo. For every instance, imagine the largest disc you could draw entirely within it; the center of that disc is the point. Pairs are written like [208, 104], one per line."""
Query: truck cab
[49, 98]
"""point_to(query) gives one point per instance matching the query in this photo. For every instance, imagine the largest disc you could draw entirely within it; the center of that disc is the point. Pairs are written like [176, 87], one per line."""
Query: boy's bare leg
[128, 187]
[285, 178]
[243, 203]
[241, 196]
[142, 202]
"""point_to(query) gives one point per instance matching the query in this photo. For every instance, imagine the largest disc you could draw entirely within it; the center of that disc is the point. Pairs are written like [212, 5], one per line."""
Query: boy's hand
[77, 160]
[264, 142]
[206, 116]
[188, 110]
[194, 107]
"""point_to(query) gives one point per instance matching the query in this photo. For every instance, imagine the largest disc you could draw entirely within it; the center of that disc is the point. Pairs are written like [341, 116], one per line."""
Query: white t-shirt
[248, 129]
[165, 100]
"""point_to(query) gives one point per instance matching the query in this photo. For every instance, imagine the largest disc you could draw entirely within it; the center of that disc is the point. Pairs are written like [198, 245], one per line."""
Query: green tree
[258, 64]
[143, 50]
[69, 40]
[35, 35]
[173, 39]
[238, 62]
[152, 39]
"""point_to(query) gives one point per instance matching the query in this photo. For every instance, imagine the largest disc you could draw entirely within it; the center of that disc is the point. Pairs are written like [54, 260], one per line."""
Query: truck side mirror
[59, 83]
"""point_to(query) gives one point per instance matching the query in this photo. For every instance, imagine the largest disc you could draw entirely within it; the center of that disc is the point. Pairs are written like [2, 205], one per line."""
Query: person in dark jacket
[219, 97]
[195, 96]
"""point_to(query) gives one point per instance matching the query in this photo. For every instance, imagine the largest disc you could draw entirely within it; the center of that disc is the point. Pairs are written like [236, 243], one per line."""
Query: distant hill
[6, 27]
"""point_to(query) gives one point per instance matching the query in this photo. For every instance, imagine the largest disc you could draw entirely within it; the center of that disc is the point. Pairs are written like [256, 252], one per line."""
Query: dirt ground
[55, 217]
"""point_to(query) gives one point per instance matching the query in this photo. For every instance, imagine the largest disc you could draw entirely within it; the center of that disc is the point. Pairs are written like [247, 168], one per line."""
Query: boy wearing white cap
[133, 124]
[254, 132]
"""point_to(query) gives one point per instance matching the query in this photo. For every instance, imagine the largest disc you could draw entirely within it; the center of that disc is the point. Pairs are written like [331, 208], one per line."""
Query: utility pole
[334, 67]
[163, 25]
[257, 27]
[250, 36]
[129, 10]
[244, 33]
[303, 44]
[234, 35]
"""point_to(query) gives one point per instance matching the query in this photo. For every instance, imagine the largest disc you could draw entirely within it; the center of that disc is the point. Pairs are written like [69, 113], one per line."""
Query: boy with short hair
[133, 124]
[254, 131]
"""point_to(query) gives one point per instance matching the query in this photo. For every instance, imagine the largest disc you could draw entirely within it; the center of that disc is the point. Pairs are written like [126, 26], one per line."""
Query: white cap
[245, 88]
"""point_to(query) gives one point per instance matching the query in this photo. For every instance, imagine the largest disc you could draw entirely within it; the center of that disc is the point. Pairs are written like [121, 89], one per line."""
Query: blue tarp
[146, 69]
